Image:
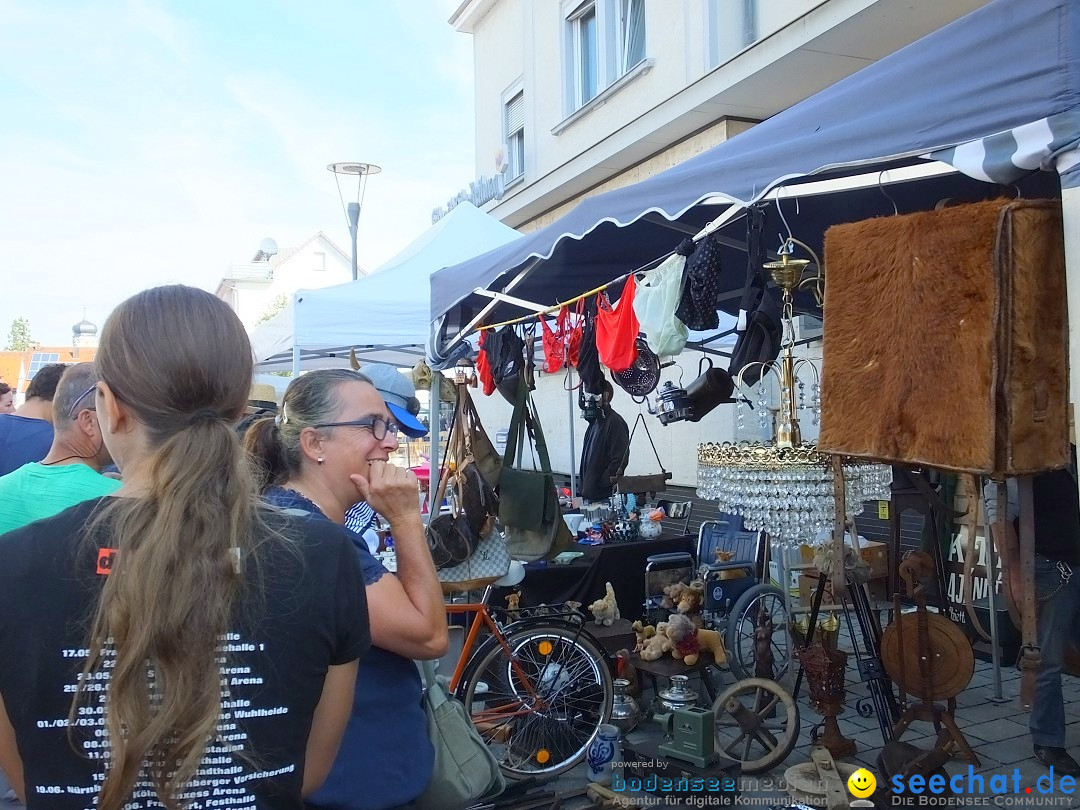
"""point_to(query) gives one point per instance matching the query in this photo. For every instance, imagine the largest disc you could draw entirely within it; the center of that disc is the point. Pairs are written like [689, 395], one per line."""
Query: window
[585, 52]
[514, 135]
[732, 26]
[632, 32]
[318, 261]
[39, 359]
[604, 40]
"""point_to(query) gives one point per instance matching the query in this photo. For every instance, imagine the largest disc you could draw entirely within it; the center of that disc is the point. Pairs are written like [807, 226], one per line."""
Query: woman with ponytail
[178, 644]
[327, 450]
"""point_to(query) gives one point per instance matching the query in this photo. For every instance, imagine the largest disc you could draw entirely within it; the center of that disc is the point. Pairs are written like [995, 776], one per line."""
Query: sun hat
[399, 395]
[264, 396]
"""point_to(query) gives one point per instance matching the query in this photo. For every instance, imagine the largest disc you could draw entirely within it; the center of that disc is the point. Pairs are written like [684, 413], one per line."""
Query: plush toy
[672, 594]
[713, 642]
[572, 606]
[642, 633]
[513, 601]
[723, 556]
[692, 598]
[683, 637]
[605, 610]
[657, 645]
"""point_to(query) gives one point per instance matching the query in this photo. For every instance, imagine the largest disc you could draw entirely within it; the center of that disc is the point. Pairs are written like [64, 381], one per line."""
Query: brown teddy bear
[683, 637]
[657, 645]
[672, 594]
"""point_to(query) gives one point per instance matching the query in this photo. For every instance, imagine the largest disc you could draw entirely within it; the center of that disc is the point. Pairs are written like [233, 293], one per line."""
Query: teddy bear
[682, 635]
[657, 645]
[605, 610]
[642, 633]
[692, 598]
[672, 594]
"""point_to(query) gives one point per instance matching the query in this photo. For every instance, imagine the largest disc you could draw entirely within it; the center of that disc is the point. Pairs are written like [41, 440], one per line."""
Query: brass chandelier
[785, 487]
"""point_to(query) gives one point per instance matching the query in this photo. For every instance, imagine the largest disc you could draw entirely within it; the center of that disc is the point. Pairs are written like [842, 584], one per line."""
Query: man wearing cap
[399, 395]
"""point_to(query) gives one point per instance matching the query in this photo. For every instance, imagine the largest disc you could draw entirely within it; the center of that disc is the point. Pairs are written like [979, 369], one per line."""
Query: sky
[145, 142]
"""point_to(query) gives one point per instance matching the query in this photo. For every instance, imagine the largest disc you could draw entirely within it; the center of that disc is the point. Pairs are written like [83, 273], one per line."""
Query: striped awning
[1048, 144]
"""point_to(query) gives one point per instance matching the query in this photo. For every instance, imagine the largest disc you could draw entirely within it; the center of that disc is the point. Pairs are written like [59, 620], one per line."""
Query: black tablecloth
[621, 564]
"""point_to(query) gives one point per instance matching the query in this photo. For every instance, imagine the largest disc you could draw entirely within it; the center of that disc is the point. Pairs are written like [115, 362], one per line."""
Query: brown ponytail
[180, 359]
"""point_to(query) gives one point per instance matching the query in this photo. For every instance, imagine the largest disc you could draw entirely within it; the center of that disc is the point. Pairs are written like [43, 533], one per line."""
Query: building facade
[577, 97]
[17, 368]
[265, 285]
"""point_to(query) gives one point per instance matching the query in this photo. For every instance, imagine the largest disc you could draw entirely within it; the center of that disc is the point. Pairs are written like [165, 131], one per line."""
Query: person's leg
[1059, 605]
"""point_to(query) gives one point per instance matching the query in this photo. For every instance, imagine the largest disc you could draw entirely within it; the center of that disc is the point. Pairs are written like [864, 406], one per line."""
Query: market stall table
[583, 580]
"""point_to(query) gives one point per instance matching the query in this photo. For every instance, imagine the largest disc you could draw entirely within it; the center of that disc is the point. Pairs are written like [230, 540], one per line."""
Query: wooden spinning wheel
[929, 657]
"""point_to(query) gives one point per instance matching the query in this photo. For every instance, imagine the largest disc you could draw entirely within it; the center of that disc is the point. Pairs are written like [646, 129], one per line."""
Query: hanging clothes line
[645, 268]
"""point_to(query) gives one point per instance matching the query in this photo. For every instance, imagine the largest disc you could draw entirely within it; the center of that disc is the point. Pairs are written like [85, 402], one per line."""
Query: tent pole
[435, 418]
[573, 467]
[295, 343]
[1070, 212]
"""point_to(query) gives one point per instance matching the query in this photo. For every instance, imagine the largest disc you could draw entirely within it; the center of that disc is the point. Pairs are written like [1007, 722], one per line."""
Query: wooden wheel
[757, 723]
[952, 661]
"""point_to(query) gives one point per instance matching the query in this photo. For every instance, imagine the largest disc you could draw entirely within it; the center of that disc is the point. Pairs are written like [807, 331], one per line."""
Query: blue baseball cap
[399, 395]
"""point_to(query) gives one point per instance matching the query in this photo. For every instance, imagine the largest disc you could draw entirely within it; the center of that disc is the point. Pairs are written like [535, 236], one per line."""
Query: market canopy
[383, 317]
[995, 94]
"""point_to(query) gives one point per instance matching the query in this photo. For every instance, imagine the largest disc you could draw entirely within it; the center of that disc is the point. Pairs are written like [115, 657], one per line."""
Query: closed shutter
[515, 114]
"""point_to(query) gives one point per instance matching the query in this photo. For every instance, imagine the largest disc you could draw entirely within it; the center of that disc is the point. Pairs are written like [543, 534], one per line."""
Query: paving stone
[995, 731]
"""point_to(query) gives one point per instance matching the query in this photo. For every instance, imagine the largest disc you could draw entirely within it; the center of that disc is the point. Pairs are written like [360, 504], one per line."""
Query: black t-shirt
[311, 614]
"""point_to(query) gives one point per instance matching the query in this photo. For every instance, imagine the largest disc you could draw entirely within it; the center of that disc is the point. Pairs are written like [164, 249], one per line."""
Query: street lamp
[352, 209]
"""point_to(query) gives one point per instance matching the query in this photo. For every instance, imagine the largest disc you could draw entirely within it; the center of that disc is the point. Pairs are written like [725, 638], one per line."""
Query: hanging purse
[465, 769]
[528, 500]
[653, 484]
[478, 444]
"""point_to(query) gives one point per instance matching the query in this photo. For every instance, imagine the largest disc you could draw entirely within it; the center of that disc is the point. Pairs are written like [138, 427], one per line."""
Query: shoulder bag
[465, 769]
[655, 483]
[528, 501]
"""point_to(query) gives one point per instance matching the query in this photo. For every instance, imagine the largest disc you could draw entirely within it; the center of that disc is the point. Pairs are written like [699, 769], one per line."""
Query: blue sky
[147, 141]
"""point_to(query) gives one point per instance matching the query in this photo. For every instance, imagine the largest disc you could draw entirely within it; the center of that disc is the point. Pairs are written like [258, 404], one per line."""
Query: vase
[602, 752]
[625, 712]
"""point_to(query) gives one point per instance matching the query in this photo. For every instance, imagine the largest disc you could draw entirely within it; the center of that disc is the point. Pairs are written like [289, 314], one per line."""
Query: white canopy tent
[384, 317]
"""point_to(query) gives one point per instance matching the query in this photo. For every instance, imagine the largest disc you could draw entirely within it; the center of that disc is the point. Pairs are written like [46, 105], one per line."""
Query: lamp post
[360, 171]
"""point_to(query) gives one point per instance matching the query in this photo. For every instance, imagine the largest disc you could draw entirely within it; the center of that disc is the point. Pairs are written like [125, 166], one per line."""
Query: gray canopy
[996, 95]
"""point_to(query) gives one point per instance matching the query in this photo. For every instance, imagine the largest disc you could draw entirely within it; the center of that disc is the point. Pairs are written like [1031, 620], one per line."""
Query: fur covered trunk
[945, 340]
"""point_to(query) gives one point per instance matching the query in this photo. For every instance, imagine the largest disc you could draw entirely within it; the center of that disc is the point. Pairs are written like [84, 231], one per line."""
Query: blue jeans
[1059, 622]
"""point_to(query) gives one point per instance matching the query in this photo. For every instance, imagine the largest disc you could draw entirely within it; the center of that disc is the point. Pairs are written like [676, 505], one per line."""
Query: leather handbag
[478, 444]
[465, 769]
[528, 500]
[945, 339]
[654, 483]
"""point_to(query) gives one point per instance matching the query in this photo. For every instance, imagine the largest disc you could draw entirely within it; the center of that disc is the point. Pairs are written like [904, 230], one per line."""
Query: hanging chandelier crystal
[785, 487]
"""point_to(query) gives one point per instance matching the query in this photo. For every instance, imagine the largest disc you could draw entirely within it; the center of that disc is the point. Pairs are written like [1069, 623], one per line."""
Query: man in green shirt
[71, 472]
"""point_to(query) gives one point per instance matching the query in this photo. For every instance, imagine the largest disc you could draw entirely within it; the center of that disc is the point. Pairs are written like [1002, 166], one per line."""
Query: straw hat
[263, 395]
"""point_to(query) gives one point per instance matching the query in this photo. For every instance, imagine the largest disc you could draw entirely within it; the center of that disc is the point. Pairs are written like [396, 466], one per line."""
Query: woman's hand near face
[391, 491]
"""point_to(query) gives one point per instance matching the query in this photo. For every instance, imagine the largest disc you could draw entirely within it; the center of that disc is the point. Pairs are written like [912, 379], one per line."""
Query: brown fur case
[946, 339]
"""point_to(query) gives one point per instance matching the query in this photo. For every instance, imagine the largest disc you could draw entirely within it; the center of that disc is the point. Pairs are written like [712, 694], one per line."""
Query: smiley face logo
[861, 783]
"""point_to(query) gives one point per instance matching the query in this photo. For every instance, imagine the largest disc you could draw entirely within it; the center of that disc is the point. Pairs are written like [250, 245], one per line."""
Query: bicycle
[537, 687]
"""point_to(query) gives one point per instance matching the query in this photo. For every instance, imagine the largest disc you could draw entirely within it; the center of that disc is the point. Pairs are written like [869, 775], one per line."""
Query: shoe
[1058, 759]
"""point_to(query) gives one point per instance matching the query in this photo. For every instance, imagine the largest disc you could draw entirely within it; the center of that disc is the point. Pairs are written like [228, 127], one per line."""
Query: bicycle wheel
[538, 698]
[758, 602]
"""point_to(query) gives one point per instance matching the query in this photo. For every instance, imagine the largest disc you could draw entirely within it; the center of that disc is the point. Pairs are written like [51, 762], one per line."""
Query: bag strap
[454, 446]
[536, 434]
[435, 694]
[630, 442]
[513, 438]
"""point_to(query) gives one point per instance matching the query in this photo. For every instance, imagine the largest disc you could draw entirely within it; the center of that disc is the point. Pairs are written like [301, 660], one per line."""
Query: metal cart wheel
[757, 723]
[742, 623]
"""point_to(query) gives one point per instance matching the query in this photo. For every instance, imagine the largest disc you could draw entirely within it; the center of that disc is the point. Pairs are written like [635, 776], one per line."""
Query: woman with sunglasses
[325, 451]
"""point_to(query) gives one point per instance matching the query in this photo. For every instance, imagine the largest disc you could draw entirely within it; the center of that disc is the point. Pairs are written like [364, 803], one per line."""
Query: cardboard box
[875, 554]
[807, 584]
[774, 578]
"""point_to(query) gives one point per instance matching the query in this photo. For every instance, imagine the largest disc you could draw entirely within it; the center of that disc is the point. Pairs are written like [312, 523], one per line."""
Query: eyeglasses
[378, 426]
[75, 405]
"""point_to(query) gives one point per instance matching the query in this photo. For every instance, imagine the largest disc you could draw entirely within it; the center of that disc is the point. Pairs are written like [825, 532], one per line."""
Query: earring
[319, 459]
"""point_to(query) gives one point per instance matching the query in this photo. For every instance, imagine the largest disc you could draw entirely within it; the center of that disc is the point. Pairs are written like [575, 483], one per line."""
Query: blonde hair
[179, 358]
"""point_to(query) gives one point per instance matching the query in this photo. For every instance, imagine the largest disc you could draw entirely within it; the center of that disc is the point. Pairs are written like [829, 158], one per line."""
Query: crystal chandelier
[785, 487]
